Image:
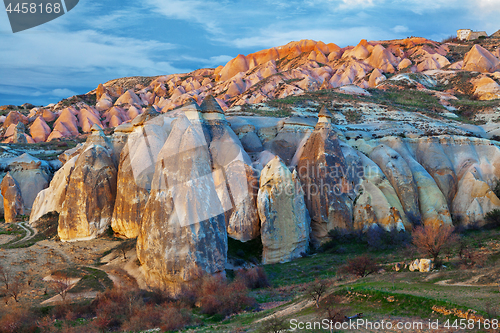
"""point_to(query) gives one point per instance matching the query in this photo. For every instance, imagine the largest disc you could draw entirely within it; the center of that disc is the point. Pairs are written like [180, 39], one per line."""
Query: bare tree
[333, 313]
[317, 290]
[15, 288]
[5, 277]
[62, 283]
[431, 239]
[361, 266]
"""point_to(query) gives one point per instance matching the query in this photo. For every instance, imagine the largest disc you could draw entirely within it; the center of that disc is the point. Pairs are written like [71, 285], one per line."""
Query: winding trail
[30, 233]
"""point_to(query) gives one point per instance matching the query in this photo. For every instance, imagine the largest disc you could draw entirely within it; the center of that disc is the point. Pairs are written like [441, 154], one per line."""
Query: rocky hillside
[283, 145]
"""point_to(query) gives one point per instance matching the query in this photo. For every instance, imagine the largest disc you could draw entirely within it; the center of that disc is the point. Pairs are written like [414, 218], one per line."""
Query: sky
[99, 41]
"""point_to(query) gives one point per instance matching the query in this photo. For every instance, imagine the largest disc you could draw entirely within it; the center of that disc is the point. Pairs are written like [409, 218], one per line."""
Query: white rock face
[183, 229]
[52, 198]
[284, 218]
[135, 173]
[31, 176]
[399, 174]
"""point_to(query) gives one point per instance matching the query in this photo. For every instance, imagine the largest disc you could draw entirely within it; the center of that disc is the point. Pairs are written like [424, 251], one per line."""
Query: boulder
[376, 77]
[12, 199]
[382, 59]
[421, 265]
[486, 89]
[19, 134]
[14, 117]
[129, 97]
[90, 196]
[183, 230]
[285, 221]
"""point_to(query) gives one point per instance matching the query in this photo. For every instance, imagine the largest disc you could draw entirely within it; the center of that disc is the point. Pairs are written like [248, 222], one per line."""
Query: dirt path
[30, 233]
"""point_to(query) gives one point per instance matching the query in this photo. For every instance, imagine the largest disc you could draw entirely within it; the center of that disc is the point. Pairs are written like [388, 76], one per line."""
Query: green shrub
[492, 219]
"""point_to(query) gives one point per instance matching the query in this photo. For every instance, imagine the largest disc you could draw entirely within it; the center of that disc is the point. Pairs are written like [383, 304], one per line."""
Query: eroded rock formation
[285, 221]
[327, 182]
[12, 199]
[88, 205]
[183, 230]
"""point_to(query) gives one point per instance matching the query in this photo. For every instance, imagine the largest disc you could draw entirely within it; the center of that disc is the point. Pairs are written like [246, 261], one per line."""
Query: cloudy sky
[102, 40]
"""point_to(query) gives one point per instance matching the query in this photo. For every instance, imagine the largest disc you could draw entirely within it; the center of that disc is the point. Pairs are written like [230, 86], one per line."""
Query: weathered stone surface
[474, 198]
[481, 60]
[90, 196]
[135, 173]
[19, 134]
[376, 200]
[12, 199]
[52, 198]
[235, 180]
[485, 89]
[431, 155]
[432, 203]
[399, 174]
[323, 173]
[285, 221]
[39, 130]
[31, 176]
[183, 230]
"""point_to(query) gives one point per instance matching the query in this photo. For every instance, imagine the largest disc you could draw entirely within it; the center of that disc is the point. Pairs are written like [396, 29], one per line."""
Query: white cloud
[271, 37]
[421, 7]
[77, 59]
[63, 93]
[400, 29]
[205, 13]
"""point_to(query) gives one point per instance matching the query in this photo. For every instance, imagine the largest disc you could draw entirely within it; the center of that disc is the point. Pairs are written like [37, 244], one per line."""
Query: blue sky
[102, 40]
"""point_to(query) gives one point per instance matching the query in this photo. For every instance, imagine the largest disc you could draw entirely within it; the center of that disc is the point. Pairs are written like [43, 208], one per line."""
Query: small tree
[361, 266]
[431, 239]
[333, 313]
[15, 288]
[5, 277]
[492, 219]
[274, 325]
[62, 283]
[316, 290]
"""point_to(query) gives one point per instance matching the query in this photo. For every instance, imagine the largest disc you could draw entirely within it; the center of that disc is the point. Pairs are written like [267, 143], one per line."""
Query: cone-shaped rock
[321, 169]
[90, 196]
[183, 230]
[31, 176]
[135, 173]
[235, 179]
[324, 115]
[285, 221]
[51, 199]
[12, 199]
